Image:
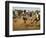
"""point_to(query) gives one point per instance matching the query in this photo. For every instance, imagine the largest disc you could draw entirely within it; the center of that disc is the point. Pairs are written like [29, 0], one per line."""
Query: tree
[37, 11]
[13, 13]
[19, 12]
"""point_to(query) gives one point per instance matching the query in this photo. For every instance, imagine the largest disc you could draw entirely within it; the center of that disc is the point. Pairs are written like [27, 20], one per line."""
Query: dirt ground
[18, 24]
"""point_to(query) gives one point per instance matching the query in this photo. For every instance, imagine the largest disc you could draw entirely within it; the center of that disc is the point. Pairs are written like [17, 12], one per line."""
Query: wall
[2, 19]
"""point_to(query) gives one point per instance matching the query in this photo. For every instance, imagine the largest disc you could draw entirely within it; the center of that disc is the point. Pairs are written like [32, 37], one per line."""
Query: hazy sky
[26, 8]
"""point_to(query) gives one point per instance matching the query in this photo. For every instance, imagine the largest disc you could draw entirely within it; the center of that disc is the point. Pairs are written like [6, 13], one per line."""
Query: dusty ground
[18, 24]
